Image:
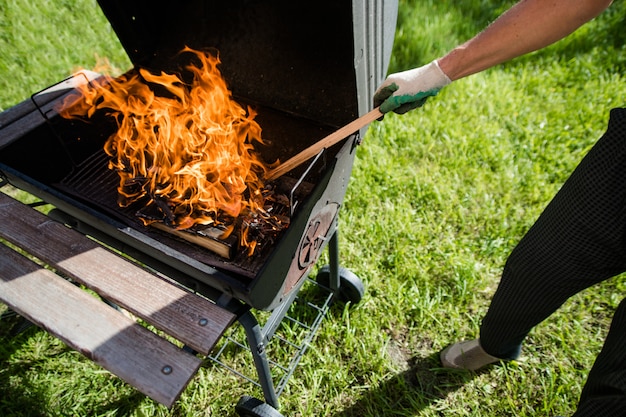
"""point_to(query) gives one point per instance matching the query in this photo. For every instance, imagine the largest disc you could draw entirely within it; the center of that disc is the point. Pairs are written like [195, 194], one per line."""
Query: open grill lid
[320, 60]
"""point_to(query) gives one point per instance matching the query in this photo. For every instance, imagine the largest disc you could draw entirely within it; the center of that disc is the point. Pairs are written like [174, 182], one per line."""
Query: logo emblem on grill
[316, 235]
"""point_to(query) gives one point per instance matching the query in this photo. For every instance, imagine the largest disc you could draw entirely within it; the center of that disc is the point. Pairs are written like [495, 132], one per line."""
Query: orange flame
[190, 150]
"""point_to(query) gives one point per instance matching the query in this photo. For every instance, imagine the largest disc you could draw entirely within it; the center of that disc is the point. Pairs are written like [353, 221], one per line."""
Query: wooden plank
[187, 317]
[151, 364]
[212, 241]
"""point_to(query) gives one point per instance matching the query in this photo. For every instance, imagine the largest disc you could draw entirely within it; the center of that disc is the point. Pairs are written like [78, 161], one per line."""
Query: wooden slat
[153, 365]
[186, 316]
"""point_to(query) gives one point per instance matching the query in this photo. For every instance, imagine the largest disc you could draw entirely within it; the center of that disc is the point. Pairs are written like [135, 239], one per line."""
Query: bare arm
[528, 26]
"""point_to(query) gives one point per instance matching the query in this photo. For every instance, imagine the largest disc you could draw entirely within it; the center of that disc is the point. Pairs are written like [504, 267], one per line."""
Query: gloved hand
[407, 90]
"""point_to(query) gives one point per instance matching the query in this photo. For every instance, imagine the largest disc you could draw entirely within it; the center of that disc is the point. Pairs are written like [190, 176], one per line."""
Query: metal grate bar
[304, 332]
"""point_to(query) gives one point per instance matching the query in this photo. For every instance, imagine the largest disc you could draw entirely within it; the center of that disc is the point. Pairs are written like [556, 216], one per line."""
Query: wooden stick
[212, 243]
[327, 142]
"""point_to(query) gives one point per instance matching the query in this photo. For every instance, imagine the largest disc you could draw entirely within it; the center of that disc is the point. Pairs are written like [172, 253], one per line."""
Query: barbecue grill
[306, 68]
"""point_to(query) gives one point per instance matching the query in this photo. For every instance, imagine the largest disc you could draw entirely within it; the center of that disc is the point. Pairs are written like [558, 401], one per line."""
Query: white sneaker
[466, 355]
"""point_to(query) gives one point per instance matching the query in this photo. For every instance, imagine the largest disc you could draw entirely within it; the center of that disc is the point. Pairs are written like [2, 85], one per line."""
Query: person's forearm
[528, 26]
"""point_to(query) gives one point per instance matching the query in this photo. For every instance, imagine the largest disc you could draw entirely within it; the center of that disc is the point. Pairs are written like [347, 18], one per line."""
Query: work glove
[408, 90]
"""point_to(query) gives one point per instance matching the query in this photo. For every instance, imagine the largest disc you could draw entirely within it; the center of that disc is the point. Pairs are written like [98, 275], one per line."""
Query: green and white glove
[408, 90]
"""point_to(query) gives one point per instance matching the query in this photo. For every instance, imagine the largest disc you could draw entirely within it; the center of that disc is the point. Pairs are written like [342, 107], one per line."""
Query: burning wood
[186, 154]
[262, 225]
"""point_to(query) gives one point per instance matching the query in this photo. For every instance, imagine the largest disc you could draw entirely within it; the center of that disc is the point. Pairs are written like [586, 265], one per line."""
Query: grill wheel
[351, 288]
[252, 407]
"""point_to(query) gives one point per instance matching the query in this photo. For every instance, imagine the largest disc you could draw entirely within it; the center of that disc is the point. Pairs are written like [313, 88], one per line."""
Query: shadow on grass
[21, 396]
[410, 391]
[121, 406]
[18, 397]
[21, 399]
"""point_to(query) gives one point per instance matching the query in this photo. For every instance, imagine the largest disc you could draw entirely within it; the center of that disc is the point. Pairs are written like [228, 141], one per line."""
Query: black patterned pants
[578, 241]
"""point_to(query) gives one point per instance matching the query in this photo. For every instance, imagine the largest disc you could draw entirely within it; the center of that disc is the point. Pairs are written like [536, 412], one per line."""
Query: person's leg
[604, 393]
[579, 240]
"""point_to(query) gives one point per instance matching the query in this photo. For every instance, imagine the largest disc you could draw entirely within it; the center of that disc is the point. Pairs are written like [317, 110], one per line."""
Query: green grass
[437, 200]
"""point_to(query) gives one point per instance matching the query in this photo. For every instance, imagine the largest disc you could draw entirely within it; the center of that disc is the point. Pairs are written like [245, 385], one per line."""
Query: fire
[187, 152]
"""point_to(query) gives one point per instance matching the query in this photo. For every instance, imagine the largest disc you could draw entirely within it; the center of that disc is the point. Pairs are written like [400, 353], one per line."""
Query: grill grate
[94, 183]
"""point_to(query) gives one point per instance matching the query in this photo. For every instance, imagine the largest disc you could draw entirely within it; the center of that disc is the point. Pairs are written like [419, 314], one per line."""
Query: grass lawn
[437, 200]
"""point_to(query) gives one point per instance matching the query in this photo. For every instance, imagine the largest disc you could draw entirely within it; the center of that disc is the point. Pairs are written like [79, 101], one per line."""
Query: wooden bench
[36, 287]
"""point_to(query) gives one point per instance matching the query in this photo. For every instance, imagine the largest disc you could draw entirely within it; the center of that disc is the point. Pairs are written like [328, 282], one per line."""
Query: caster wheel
[252, 407]
[351, 287]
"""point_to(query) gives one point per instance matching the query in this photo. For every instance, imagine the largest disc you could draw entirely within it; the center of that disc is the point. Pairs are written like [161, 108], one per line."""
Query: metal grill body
[307, 68]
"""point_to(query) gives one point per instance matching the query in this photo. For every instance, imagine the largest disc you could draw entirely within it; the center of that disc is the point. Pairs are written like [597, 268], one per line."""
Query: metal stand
[334, 283]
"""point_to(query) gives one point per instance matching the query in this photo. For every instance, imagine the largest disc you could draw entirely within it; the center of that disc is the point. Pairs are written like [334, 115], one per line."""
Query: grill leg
[333, 262]
[341, 281]
[256, 340]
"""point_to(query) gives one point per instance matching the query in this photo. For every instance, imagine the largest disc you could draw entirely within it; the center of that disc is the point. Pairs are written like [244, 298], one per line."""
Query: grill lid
[321, 60]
